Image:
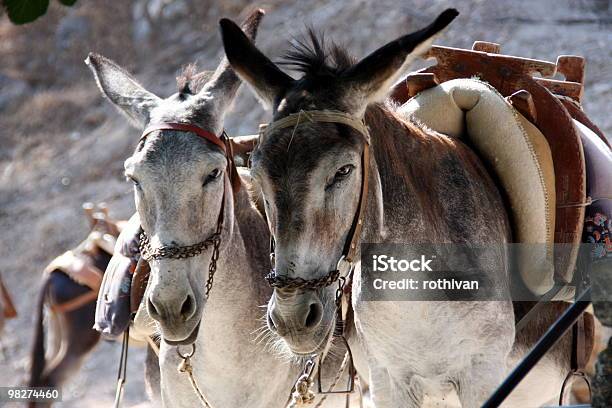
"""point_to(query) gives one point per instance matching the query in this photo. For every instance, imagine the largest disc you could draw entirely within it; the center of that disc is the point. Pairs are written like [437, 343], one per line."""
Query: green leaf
[25, 11]
[68, 2]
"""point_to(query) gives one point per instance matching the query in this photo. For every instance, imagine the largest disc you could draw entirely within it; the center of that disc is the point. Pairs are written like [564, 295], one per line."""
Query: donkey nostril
[315, 313]
[271, 323]
[152, 309]
[188, 307]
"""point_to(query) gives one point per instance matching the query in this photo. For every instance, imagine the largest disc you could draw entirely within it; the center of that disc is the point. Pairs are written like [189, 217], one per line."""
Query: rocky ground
[61, 144]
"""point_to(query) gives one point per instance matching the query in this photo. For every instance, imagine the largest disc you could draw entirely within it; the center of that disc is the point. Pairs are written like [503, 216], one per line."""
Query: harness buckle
[344, 266]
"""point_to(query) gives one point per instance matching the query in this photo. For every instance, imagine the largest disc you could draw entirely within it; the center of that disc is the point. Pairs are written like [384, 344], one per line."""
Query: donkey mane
[190, 81]
[315, 58]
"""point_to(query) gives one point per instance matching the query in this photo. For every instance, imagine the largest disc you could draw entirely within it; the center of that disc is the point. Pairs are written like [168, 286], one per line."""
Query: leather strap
[579, 349]
[350, 248]
[139, 284]
[75, 303]
[579, 359]
[231, 164]
[312, 116]
[184, 127]
[223, 142]
[581, 332]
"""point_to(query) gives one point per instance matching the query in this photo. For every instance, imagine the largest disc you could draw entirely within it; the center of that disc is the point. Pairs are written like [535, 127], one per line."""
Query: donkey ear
[224, 82]
[122, 90]
[268, 81]
[372, 77]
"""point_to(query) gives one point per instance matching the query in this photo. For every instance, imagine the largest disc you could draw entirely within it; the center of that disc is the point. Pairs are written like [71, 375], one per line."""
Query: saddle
[6, 302]
[78, 263]
[538, 155]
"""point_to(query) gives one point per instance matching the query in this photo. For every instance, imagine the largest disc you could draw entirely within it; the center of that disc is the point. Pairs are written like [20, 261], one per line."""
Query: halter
[344, 267]
[301, 392]
[150, 253]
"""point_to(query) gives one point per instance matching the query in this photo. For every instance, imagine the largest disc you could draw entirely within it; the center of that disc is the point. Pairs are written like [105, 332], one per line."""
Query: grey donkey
[180, 185]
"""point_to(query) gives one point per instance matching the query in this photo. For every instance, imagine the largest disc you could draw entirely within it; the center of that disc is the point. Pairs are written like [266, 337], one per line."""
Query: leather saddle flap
[113, 305]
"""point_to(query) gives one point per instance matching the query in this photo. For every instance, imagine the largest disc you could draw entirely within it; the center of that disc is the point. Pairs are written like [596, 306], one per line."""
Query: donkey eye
[212, 176]
[341, 174]
[344, 171]
[133, 180]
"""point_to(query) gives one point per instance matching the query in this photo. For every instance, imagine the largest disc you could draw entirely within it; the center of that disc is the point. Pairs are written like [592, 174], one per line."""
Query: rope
[336, 379]
[153, 345]
[186, 367]
[588, 202]
[303, 394]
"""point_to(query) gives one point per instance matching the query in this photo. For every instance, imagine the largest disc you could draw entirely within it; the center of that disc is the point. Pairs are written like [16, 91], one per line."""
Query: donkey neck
[239, 286]
[230, 364]
[244, 261]
[431, 185]
[402, 161]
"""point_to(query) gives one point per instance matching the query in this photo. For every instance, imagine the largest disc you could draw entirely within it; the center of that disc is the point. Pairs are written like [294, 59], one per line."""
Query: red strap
[211, 137]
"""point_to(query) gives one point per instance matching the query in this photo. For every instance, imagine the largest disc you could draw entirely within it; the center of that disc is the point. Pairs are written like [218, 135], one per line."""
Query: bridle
[150, 253]
[346, 262]
[301, 392]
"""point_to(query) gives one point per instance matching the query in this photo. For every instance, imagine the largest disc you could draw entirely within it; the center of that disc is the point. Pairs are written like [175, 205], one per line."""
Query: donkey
[183, 191]
[69, 290]
[321, 186]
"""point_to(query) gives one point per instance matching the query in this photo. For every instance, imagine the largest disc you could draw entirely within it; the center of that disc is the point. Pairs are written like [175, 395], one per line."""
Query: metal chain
[340, 291]
[182, 252]
[285, 282]
[174, 251]
[212, 267]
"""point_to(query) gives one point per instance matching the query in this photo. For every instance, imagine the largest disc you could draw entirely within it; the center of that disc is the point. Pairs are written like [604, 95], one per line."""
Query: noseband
[150, 253]
[345, 264]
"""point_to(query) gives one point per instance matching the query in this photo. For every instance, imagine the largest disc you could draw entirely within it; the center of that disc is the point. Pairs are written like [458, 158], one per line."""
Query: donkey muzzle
[296, 318]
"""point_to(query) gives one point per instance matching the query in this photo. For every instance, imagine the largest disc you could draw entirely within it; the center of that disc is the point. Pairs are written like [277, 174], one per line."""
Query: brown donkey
[70, 287]
[334, 160]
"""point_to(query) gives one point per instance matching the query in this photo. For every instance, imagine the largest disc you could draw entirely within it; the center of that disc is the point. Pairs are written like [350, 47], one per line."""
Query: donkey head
[311, 173]
[180, 182]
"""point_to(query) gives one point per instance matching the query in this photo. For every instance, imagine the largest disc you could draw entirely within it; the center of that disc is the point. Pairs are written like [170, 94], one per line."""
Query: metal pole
[533, 312]
[552, 335]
